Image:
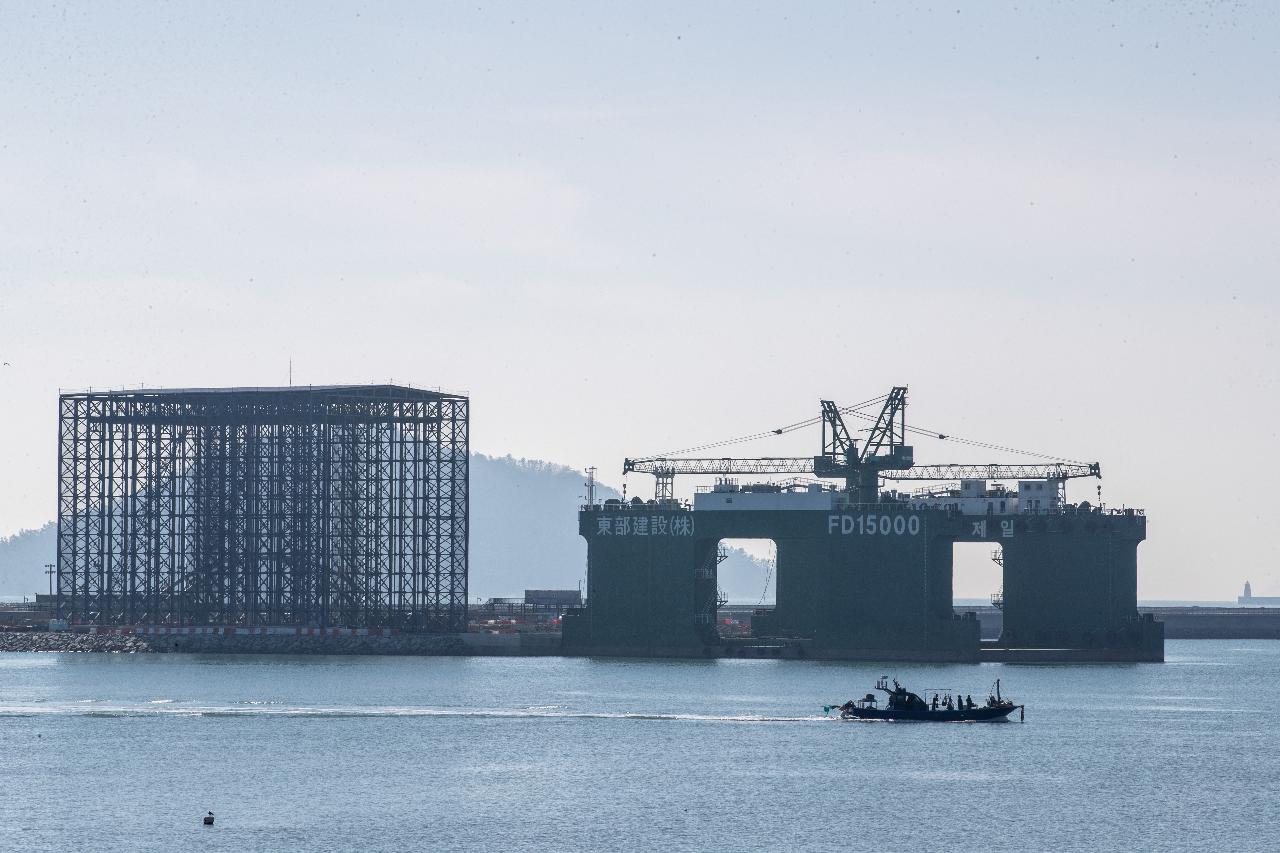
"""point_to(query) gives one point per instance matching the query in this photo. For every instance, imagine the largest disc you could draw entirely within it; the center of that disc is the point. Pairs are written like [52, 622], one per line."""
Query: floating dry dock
[864, 572]
[1070, 580]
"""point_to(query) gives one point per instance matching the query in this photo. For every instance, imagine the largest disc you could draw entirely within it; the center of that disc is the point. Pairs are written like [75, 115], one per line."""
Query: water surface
[125, 752]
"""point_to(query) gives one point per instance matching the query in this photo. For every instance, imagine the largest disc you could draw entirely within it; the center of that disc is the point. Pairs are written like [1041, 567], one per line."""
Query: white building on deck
[976, 497]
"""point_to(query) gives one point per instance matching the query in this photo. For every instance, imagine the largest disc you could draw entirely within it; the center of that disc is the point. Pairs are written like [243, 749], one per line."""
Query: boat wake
[257, 709]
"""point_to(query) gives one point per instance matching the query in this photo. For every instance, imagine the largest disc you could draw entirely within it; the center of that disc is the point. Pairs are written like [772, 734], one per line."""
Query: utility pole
[50, 569]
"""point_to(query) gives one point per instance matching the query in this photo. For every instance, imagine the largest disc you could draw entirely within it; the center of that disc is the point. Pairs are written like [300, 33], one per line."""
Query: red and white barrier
[238, 631]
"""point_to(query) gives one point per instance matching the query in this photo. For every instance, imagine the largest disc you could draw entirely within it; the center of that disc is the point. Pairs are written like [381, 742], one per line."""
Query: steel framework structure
[305, 506]
[805, 465]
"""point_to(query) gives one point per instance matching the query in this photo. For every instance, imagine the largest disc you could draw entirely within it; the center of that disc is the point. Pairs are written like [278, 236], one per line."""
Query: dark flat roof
[402, 392]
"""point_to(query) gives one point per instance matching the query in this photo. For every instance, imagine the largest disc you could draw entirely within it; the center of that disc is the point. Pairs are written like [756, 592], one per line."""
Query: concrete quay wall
[1180, 623]
[1218, 623]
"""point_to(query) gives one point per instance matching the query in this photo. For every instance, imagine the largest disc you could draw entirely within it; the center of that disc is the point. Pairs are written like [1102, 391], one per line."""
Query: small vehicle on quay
[945, 706]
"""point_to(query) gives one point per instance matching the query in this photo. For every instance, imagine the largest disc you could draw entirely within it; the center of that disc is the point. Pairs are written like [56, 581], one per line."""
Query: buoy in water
[208, 819]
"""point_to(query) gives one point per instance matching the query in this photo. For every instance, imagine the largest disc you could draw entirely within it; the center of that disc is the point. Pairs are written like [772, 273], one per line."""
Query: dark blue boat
[902, 704]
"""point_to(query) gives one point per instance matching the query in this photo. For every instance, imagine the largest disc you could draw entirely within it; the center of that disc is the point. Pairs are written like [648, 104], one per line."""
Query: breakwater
[66, 641]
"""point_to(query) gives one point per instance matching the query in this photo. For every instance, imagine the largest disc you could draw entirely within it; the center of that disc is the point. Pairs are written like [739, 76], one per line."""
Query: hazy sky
[624, 229]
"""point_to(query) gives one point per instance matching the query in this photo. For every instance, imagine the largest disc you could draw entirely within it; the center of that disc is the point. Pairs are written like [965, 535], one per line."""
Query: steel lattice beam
[994, 472]
[727, 466]
[666, 467]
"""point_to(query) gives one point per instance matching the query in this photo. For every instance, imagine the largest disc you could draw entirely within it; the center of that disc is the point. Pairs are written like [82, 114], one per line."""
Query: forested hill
[524, 526]
[23, 558]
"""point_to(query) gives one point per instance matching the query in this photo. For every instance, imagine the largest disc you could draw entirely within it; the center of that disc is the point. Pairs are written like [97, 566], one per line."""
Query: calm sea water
[110, 752]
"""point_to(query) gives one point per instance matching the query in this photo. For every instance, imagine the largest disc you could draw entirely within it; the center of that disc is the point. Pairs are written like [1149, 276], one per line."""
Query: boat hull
[967, 715]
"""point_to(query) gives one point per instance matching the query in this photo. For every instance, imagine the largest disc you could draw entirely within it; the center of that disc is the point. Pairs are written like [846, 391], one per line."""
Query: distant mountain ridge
[524, 535]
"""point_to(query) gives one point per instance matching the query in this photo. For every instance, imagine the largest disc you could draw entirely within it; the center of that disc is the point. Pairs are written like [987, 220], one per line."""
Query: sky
[624, 229]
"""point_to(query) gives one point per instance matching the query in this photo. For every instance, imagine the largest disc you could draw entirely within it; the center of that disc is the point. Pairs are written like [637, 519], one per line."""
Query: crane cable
[856, 411]
[768, 575]
[848, 410]
[943, 436]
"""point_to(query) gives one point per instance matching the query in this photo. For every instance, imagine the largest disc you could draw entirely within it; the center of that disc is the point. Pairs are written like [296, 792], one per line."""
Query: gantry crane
[884, 455]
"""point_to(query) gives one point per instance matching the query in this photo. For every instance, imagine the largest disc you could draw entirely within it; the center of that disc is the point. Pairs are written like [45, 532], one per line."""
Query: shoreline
[480, 645]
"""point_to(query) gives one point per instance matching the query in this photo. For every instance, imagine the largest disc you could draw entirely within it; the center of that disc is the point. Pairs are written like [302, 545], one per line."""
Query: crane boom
[728, 466]
[836, 443]
[1055, 471]
[889, 433]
